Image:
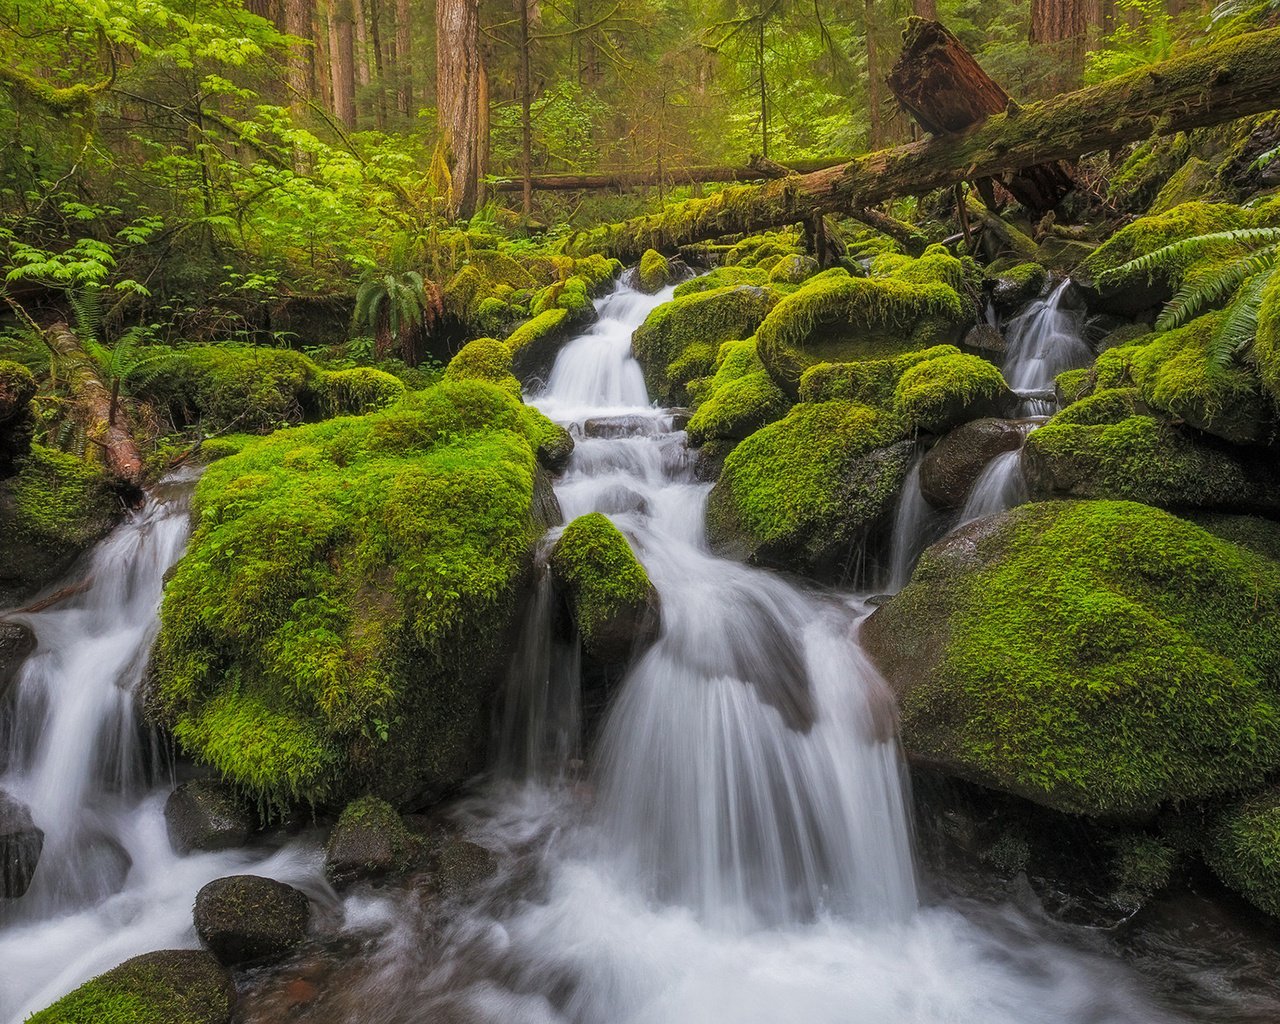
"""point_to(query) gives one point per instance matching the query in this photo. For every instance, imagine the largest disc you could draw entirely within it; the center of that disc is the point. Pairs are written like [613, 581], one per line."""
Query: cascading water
[916, 525]
[1043, 341]
[108, 886]
[739, 850]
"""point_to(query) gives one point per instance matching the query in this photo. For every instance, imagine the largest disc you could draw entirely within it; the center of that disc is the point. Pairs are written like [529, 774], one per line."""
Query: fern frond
[1177, 252]
[1239, 327]
[1195, 296]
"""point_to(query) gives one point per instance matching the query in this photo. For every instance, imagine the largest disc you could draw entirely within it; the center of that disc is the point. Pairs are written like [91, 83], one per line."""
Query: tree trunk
[927, 9]
[875, 96]
[297, 18]
[937, 80]
[404, 57]
[342, 61]
[764, 90]
[107, 427]
[1210, 85]
[375, 34]
[1063, 25]
[526, 108]
[363, 75]
[462, 101]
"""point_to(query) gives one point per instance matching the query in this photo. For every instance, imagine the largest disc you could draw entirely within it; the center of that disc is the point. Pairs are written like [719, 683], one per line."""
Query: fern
[86, 307]
[1196, 296]
[1239, 327]
[397, 309]
[1181, 252]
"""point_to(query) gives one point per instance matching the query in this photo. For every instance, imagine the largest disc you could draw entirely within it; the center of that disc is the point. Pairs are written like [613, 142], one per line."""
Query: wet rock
[177, 986]
[16, 644]
[545, 509]
[370, 841]
[17, 424]
[1018, 285]
[952, 465]
[680, 418]
[621, 500]
[244, 918]
[461, 867]
[985, 340]
[621, 426]
[203, 815]
[20, 845]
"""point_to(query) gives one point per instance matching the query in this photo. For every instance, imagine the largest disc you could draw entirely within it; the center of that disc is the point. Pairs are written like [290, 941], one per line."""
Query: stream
[735, 846]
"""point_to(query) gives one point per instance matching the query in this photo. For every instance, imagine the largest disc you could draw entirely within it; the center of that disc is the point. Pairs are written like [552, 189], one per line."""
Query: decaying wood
[1230, 79]
[946, 90]
[105, 429]
[759, 169]
[57, 597]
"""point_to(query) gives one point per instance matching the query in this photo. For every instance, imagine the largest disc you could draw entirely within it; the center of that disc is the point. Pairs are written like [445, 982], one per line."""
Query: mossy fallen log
[1230, 79]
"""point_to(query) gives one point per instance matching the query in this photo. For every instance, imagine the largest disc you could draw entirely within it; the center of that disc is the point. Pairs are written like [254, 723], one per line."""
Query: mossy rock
[339, 620]
[202, 815]
[247, 918]
[837, 318]
[654, 272]
[612, 601]
[952, 466]
[738, 400]
[793, 269]
[180, 986]
[1018, 285]
[1105, 447]
[935, 395]
[533, 345]
[370, 841]
[485, 359]
[869, 381]
[1266, 347]
[1101, 658]
[722, 277]
[52, 510]
[17, 422]
[1243, 849]
[803, 492]
[356, 391]
[662, 343]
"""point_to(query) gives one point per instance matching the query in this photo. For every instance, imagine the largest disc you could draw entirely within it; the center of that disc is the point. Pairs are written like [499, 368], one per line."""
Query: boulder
[985, 340]
[16, 644]
[370, 841]
[951, 466]
[1243, 849]
[17, 388]
[177, 986]
[245, 918]
[1101, 658]
[654, 272]
[461, 867]
[1018, 285]
[938, 394]
[20, 845]
[613, 603]
[203, 815]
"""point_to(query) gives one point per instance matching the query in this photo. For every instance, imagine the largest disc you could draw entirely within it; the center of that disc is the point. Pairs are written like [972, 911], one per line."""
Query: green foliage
[938, 394]
[174, 987]
[345, 580]
[604, 579]
[484, 359]
[1244, 850]
[1100, 657]
[397, 309]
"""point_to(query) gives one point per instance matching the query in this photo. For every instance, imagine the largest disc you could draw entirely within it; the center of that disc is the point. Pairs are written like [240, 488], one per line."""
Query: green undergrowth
[601, 573]
[1104, 658]
[738, 399]
[1244, 850]
[346, 590]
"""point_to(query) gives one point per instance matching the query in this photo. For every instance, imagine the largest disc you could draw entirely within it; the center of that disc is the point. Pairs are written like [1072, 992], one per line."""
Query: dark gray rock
[369, 841]
[985, 340]
[244, 918]
[20, 845]
[952, 465]
[203, 815]
[16, 644]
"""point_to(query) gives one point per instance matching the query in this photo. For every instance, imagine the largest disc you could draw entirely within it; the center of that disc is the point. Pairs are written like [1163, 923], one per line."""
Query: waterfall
[1043, 341]
[108, 886]
[916, 525]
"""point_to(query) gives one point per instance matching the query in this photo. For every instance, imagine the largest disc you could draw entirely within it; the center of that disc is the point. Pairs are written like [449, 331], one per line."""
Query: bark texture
[462, 98]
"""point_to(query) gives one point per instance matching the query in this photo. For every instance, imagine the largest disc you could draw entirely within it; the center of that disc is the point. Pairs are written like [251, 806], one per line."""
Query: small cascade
[1044, 340]
[1001, 486]
[916, 525]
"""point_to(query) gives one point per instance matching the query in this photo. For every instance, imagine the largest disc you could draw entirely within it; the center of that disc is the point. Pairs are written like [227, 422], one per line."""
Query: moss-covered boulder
[180, 986]
[370, 841]
[1243, 849]
[803, 492]
[339, 620]
[738, 399]
[533, 345]
[612, 601]
[355, 391]
[654, 272]
[1017, 285]
[485, 359]
[52, 510]
[246, 918]
[678, 340]
[793, 269]
[1266, 347]
[204, 815]
[17, 388]
[1100, 658]
[909, 304]
[952, 466]
[1105, 446]
[935, 395]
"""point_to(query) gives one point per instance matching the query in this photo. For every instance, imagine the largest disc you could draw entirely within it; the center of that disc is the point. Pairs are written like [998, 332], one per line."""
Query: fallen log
[756, 170]
[1230, 79]
[946, 90]
[104, 426]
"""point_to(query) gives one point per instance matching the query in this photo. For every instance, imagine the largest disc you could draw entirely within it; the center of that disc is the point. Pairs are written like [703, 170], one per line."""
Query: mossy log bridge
[1230, 79]
[754, 170]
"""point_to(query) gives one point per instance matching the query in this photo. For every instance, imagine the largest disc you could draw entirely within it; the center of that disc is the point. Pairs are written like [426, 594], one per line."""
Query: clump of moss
[701, 319]
[803, 492]
[1148, 234]
[1072, 385]
[793, 269]
[654, 272]
[533, 345]
[843, 319]
[1266, 347]
[722, 277]
[1101, 658]
[1244, 850]
[608, 589]
[1018, 284]
[935, 395]
[53, 508]
[763, 250]
[1094, 450]
[172, 987]
[484, 359]
[1141, 866]
[738, 400]
[356, 391]
[871, 381]
[17, 422]
[335, 622]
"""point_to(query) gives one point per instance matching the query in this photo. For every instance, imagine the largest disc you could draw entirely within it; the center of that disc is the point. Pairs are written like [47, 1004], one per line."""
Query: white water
[739, 850]
[916, 525]
[1043, 341]
[108, 886]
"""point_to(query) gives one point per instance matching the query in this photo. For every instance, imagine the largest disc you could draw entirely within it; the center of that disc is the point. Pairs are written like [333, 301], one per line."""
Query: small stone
[203, 815]
[16, 644]
[21, 843]
[370, 841]
[244, 918]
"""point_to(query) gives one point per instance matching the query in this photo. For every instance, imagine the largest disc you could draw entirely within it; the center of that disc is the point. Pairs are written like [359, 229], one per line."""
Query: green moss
[701, 319]
[937, 394]
[484, 359]
[1099, 657]
[597, 271]
[1148, 234]
[793, 269]
[871, 381]
[465, 291]
[737, 408]
[1266, 348]
[17, 388]
[178, 987]
[695, 362]
[721, 277]
[755, 250]
[593, 560]
[345, 593]
[1244, 850]
[356, 391]
[369, 839]
[534, 343]
[1141, 866]
[654, 272]
[842, 319]
[804, 490]
[1074, 384]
